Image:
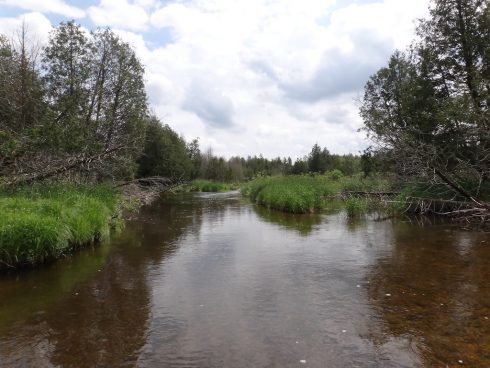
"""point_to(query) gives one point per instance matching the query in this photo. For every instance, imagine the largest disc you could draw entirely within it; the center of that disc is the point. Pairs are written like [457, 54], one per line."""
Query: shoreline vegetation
[41, 223]
[309, 194]
[360, 195]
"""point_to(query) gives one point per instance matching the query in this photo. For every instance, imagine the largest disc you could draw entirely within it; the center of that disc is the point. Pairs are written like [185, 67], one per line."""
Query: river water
[210, 280]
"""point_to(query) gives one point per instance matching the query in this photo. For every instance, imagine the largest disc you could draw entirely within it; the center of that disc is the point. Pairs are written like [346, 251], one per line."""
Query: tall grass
[296, 194]
[40, 223]
[302, 194]
[200, 185]
[356, 206]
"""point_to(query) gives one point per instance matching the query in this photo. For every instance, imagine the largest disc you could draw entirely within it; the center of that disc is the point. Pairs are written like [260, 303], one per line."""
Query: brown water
[213, 281]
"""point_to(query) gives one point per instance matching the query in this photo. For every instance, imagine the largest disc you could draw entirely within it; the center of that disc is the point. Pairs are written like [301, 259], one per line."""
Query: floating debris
[358, 286]
[344, 331]
[388, 294]
[460, 361]
[302, 361]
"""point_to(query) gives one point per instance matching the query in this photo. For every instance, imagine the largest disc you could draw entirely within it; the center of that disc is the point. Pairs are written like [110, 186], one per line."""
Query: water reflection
[302, 223]
[94, 308]
[209, 280]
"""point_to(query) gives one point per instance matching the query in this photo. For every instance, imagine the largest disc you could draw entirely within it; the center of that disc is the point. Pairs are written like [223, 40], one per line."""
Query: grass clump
[358, 183]
[209, 186]
[41, 223]
[296, 194]
[303, 194]
[356, 206]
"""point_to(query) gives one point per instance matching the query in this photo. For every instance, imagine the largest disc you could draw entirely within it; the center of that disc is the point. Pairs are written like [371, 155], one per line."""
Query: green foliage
[164, 153]
[358, 183]
[303, 194]
[209, 186]
[41, 223]
[319, 160]
[356, 206]
[335, 174]
[296, 194]
[428, 108]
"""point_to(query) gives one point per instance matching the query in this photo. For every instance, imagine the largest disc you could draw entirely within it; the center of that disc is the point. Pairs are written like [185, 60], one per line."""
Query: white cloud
[47, 6]
[120, 14]
[260, 76]
[286, 73]
[38, 27]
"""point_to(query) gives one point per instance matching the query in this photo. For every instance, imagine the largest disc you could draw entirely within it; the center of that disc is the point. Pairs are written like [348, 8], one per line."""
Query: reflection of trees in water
[437, 281]
[302, 223]
[104, 321]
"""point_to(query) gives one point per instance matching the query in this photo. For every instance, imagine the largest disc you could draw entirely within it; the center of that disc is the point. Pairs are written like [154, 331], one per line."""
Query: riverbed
[211, 280]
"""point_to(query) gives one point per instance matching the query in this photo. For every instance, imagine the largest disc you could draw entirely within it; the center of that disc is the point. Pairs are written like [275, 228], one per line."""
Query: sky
[270, 77]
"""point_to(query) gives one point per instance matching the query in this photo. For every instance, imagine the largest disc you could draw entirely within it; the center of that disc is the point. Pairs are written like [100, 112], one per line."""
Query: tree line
[428, 109]
[76, 109]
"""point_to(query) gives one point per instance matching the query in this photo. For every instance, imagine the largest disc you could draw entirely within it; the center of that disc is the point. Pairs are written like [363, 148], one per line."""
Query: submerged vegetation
[41, 223]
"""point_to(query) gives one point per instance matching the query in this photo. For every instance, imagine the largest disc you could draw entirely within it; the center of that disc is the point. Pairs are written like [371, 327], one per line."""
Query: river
[210, 280]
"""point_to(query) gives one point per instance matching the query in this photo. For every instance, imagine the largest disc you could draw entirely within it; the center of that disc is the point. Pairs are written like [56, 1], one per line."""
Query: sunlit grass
[45, 222]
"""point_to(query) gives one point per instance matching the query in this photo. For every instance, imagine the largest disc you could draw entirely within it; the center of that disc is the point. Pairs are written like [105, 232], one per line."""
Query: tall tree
[429, 107]
[66, 64]
[164, 153]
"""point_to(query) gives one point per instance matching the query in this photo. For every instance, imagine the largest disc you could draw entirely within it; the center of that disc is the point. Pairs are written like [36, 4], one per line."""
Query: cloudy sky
[247, 76]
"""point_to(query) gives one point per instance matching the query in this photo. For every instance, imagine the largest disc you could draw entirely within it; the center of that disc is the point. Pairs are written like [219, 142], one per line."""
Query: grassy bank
[303, 194]
[41, 223]
[200, 185]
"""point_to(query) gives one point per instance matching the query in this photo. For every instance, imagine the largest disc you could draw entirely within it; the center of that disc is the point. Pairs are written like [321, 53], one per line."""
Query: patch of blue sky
[156, 38]
[340, 4]
[8, 11]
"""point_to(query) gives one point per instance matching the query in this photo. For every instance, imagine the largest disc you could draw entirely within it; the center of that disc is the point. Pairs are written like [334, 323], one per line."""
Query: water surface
[209, 280]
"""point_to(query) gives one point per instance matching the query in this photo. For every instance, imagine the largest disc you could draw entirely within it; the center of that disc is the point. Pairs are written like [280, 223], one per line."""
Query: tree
[429, 107]
[21, 100]
[194, 153]
[66, 65]
[318, 159]
[164, 153]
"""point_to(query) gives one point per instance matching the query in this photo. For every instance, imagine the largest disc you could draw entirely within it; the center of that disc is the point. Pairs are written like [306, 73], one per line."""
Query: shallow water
[209, 280]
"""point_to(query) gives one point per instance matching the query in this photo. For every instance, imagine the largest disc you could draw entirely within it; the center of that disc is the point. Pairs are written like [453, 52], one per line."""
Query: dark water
[212, 281]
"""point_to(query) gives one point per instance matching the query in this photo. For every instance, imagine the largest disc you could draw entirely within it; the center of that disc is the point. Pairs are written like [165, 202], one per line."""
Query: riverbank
[44, 222]
[307, 194]
[202, 185]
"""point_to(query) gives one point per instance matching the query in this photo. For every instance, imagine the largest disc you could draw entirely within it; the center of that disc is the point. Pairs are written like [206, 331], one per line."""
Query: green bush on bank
[40, 223]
